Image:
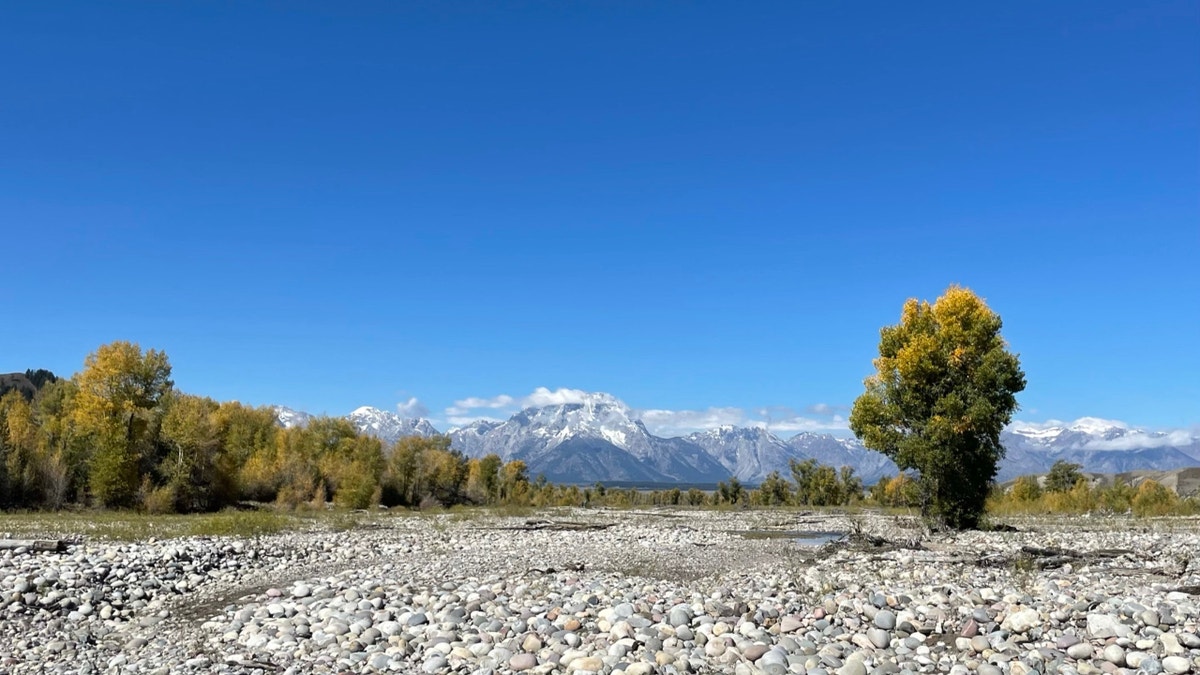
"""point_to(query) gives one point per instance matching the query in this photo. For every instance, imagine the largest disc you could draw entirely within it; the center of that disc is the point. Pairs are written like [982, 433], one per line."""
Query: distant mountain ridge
[599, 438]
[1099, 446]
[595, 439]
[390, 426]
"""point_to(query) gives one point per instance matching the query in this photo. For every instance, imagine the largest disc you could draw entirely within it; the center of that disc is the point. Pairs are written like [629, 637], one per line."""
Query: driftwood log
[1049, 558]
[33, 544]
[535, 524]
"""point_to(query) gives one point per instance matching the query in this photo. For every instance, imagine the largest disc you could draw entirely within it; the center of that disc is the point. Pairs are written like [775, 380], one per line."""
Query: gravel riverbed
[609, 591]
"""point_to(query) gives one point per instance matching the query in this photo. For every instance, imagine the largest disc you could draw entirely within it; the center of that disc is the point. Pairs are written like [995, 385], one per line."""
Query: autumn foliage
[119, 434]
[944, 387]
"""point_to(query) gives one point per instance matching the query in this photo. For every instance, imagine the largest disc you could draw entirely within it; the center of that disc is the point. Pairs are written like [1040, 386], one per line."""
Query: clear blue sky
[686, 204]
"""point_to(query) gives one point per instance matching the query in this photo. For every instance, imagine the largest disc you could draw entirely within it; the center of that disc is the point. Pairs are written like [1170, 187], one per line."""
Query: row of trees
[1065, 490]
[812, 484]
[1148, 498]
[119, 434]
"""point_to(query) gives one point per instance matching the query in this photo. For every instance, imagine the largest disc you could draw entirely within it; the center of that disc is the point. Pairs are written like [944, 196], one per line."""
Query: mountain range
[1099, 446]
[601, 439]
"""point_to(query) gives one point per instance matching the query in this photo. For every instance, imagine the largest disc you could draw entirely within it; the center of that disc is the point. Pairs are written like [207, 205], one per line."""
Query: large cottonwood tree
[944, 387]
[117, 408]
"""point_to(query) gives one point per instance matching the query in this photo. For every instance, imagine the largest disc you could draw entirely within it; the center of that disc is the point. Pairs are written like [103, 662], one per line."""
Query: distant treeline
[118, 434]
[1065, 490]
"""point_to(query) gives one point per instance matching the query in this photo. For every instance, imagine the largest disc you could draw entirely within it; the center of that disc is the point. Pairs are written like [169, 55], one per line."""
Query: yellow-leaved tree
[117, 409]
[944, 387]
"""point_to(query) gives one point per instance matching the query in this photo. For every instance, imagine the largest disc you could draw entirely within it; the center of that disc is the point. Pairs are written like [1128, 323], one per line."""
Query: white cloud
[543, 397]
[412, 408]
[825, 409]
[774, 419]
[463, 407]
[506, 404]
[1092, 424]
[674, 422]
[817, 418]
[796, 424]
[501, 401]
[1175, 438]
[496, 408]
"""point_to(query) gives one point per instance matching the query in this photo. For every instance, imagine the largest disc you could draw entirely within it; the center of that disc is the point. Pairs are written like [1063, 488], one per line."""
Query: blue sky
[703, 208]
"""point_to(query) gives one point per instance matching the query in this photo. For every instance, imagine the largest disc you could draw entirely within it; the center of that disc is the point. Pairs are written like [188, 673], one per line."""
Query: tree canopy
[944, 388]
[118, 407]
[1063, 476]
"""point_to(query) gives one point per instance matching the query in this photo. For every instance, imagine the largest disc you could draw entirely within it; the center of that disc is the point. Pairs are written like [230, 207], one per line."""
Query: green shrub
[233, 523]
[160, 500]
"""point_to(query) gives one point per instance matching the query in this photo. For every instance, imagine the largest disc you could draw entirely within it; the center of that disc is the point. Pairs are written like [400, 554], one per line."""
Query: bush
[900, 490]
[1026, 489]
[160, 500]
[298, 492]
[1152, 499]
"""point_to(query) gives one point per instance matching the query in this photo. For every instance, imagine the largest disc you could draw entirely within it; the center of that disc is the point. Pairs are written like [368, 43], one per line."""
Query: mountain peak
[389, 426]
[367, 410]
[289, 418]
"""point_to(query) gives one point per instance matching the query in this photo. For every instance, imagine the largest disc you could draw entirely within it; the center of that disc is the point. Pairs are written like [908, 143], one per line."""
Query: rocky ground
[597, 591]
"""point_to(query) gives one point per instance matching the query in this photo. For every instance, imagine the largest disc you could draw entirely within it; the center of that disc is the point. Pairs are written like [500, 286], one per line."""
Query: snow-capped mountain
[600, 438]
[289, 418]
[1097, 434]
[388, 426]
[1099, 446]
[748, 453]
[471, 440]
[596, 438]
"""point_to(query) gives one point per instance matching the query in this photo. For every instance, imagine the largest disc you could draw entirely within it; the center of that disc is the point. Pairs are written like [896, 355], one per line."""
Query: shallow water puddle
[801, 537]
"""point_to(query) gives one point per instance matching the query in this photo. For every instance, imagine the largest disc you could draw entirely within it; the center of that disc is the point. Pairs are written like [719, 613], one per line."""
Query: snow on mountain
[1100, 446]
[472, 438]
[1080, 432]
[389, 426]
[748, 453]
[599, 438]
[289, 418]
[596, 438]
